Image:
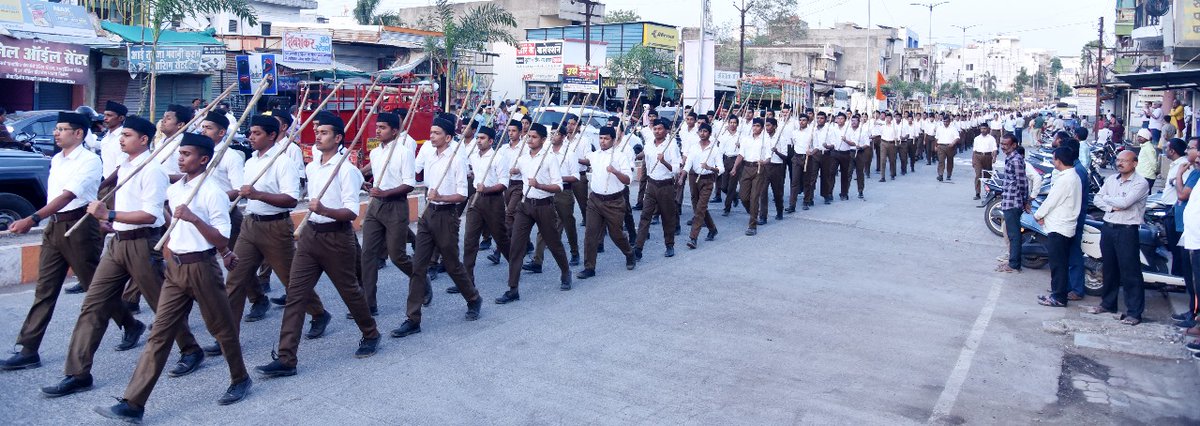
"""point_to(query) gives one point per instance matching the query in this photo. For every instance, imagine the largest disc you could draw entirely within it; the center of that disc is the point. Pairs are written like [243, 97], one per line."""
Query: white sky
[1060, 25]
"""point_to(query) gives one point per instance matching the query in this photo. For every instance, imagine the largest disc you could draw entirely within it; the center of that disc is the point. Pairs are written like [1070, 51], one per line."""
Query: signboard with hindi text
[44, 61]
[43, 17]
[540, 60]
[308, 48]
[581, 79]
[175, 59]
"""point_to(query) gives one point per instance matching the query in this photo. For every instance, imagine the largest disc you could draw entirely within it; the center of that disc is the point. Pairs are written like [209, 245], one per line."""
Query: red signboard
[44, 61]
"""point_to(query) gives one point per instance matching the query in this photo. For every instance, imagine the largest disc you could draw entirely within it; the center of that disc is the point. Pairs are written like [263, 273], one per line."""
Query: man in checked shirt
[1015, 200]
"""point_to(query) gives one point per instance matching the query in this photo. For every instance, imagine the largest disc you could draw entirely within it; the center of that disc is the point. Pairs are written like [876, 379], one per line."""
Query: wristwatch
[112, 216]
[35, 218]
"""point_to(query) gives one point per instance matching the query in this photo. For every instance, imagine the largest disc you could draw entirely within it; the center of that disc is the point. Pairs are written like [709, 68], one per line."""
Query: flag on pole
[879, 83]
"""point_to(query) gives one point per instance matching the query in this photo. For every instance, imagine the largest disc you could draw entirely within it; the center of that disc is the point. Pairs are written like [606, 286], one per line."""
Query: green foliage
[632, 67]
[1021, 80]
[617, 16]
[474, 31]
[365, 13]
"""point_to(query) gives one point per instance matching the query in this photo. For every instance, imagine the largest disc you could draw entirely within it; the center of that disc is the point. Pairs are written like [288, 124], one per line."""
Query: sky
[1060, 25]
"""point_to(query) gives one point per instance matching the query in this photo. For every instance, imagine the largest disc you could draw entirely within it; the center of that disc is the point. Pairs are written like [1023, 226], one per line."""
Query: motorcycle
[992, 187]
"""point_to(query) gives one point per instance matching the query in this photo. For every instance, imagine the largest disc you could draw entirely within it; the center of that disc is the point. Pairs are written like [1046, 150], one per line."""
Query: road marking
[945, 402]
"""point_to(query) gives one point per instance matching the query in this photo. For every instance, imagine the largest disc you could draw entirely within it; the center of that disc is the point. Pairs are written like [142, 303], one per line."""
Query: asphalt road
[883, 311]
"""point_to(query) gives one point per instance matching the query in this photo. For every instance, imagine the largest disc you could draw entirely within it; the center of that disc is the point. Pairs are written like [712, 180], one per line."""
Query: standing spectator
[1015, 200]
[1057, 216]
[1177, 154]
[1154, 121]
[1118, 129]
[1147, 156]
[1177, 114]
[1123, 199]
[1185, 181]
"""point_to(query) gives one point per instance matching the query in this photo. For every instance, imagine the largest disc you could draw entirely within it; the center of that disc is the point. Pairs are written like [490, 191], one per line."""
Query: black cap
[141, 125]
[183, 114]
[339, 126]
[324, 117]
[515, 123]
[392, 119]
[199, 141]
[268, 123]
[538, 128]
[76, 119]
[284, 117]
[446, 125]
[491, 133]
[116, 107]
[608, 130]
[218, 119]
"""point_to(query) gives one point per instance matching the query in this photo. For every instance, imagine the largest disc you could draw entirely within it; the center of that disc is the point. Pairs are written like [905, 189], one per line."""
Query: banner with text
[540, 60]
[38, 16]
[44, 61]
[308, 48]
[171, 59]
[581, 79]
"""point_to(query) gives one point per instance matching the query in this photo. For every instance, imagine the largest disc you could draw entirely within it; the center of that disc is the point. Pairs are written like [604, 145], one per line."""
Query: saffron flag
[879, 83]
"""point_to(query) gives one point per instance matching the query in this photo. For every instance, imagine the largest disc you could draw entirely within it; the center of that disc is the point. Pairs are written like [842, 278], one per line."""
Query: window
[266, 28]
[970, 67]
[970, 80]
[233, 25]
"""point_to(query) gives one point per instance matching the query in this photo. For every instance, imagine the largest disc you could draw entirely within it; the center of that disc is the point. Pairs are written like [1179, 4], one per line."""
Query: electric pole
[588, 7]
[742, 42]
[930, 6]
[1099, 75]
[962, 55]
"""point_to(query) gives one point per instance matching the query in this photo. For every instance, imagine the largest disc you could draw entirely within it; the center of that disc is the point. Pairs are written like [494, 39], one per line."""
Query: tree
[1021, 80]
[902, 89]
[633, 66]
[162, 12]
[472, 32]
[780, 21]
[727, 46]
[1055, 66]
[617, 16]
[365, 12]
[988, 82]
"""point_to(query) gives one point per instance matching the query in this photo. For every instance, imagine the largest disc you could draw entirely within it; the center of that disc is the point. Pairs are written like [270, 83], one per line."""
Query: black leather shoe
[654, 220]
[883, 180]
[366, 347]
[236, 392]
[428, 295]
[778, 216]
[212, 350]
[600, 248]
[75, 289]
[637, 253]
[452, 289]
[678, 230]
[948, 179]
[494, 258]
[804, 207]
[133, 307]
[762, 221]
[565, 282]
[374, 313]
[508, 297]
[790, 210]
[828, 200]
[637, 206]
[258, 311]
[276, 369]
[689, 222]
[316, 327]
[485, 244]
[711, 235]
[630, 263]
[585, 274]
[1183, 316]
[266, 285]
[532, 267]
[691, 244]
[860, 196]
[433, 273]
[473, 309]
[123, 411]
[574, 259]
[939, 179]
[279, 301]
[132, 334]
[844, 197]
[670, 252]
[68, 385]
[188, 364]
[750, 232]
[21, 362]
[714, 200]
[406, 328]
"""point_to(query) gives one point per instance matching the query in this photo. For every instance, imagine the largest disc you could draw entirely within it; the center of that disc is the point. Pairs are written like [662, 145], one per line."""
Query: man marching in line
[536, 209]
[947, 140]
[385, 226]
[437, 230]
[579, 146]
[564, 202]
[192, 276]
[857, 136]
[751, 162]
[75, 175]
[609, 202]
[778, 138]
[702, 169]
[662, 160]
[728, 140]
[328, 231]
[486, 210]
[801, 145]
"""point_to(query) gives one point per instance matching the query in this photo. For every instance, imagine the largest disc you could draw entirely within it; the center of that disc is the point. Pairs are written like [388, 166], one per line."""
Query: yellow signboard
[660, 36]
[1187, 26]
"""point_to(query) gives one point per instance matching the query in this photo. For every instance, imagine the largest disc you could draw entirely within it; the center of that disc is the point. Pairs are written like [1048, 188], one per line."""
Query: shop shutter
[53, 96]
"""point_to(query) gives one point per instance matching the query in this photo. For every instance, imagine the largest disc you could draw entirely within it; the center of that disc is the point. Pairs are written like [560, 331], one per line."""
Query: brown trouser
[775, 176]
[604, 214]
[531, 212]
[80, 253]
[796, 185]
[812, 168]
[981, 161]
[889, 156]
[701, 192]
[262, 243]
[929, 146]
[580, 190]
[512, 199]
[487, 213]
[945, 159]
[828, 161]
[844, 162]
[564, 209]
[199, 282]
[730, 182]
[752, 187]
[645, 176]
[862, 161]
[329, 251]
[437, 231]
[133, 260]
[660, 198]
[876, 141]
[133, 293]
[384, 230]
[905, 152]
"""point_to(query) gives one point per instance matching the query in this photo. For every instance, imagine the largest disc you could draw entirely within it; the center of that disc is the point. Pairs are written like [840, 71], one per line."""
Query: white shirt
[110, 150]
[752, 150]
[78, 173]
[210, 205]
[229, 173]
[487, 169]
[1061, 208]
[544, 174]
[728, 142]
[858, 136]
[449, 163]
[1104, 135]
[824, 135]
[293, 153]
[279, 179]
[603, 182]
[508, 158]
[985, 144]
[777, 142]
[802, 140]
[168, 157]
[688, 138]
[1156, 119]
[565, 155]
[698, 157]
[342, 193]
[1170, 193]
[889, 132]
[671, 156]
[146, 191]
[1191, 226]
[876, 125]
[399, 167]
[946, 135]
[909, 130]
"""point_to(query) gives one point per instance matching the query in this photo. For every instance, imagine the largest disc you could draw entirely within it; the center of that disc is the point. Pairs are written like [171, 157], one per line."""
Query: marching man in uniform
[612, 172]
[702, 171]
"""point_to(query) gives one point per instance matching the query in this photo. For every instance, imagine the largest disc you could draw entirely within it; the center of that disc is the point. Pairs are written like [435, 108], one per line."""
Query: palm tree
[161, 12]
[365, 12]
[473, 31]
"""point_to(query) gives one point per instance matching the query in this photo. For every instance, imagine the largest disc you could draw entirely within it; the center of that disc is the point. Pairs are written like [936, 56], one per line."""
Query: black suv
[23, 177]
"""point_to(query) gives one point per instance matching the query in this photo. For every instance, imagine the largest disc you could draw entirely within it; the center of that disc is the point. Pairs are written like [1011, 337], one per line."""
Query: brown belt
[609, 197]
[540, 201]
[269, 217]
[437, 207]
[662, 182]
[514, 182]
[135, 234]
[329, 227]
[193, 257]
[566, 185]
[69, 215]
[709, 176]
[400, 197]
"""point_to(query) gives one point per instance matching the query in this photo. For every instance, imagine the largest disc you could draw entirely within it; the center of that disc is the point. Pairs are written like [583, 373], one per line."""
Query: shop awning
[1162, 80]
[400, 71]
[139, 34]
[666, 83]
[93, 42]
[303, 67]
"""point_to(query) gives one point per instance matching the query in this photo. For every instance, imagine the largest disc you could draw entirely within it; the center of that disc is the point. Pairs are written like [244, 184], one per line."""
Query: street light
[930, 6]
[963, 53]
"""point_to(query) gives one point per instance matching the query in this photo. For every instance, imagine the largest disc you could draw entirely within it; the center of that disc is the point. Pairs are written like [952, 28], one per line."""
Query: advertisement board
[660, 36]
[308, 48]
[37, 16]
[581, 79]
[251, 69]
[177, 59]
[540, 60]
[44, 61]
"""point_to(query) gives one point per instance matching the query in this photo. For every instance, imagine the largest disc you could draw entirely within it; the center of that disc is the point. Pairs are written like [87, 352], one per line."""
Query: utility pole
[588, 7]
[1099, 75]
[930, 6]
[742, 41]
[962, 55]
